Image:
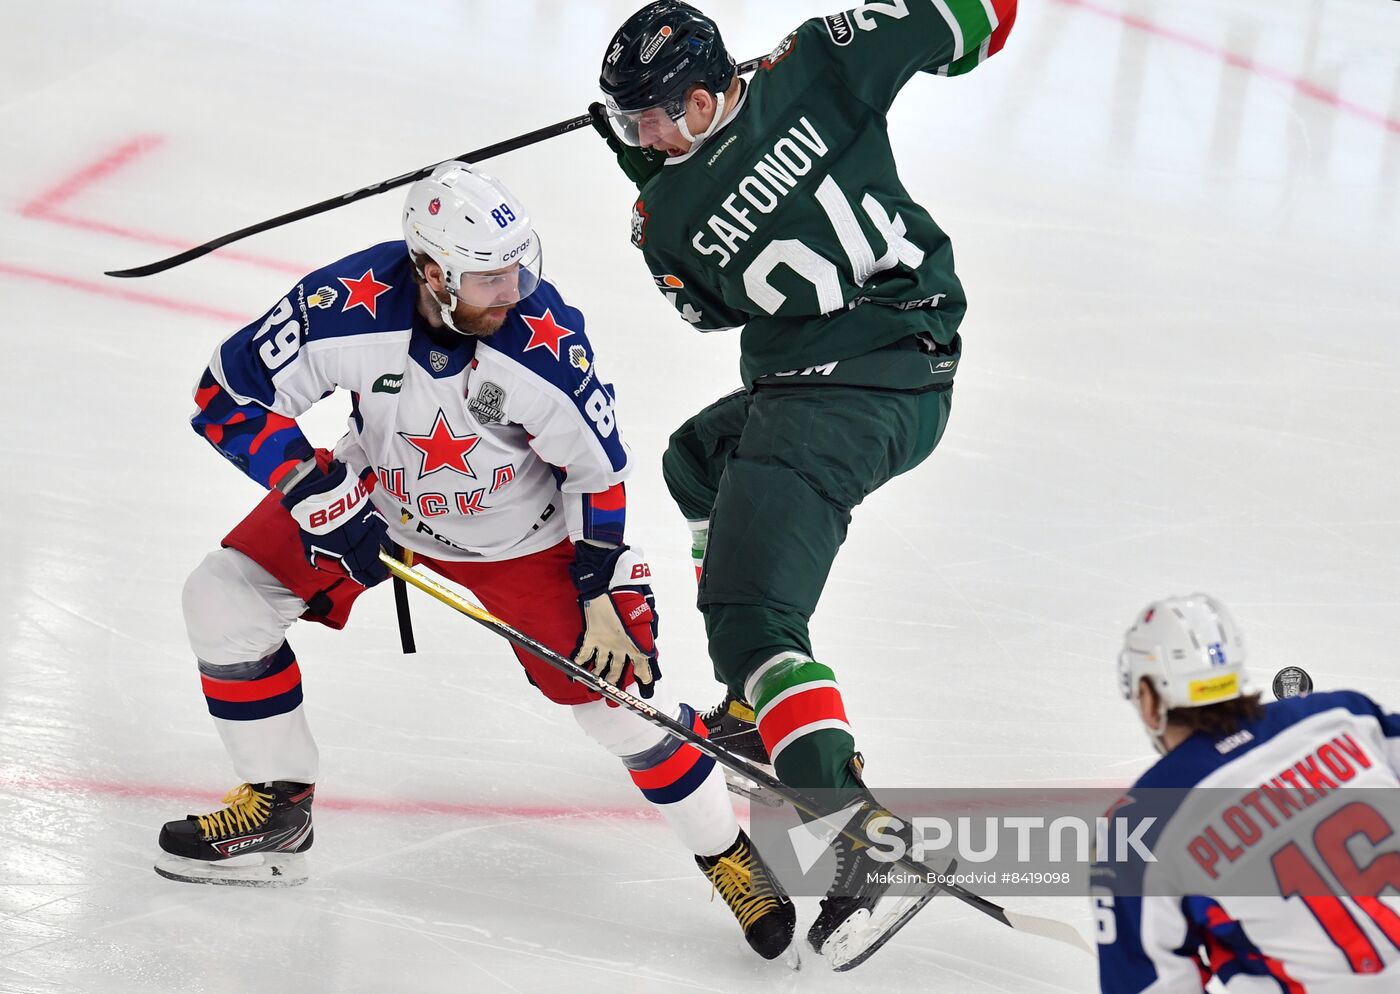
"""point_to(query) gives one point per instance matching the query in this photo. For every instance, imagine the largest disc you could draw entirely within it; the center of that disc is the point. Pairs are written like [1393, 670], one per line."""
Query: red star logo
[442, 449]
[546, 331]
[364, 292]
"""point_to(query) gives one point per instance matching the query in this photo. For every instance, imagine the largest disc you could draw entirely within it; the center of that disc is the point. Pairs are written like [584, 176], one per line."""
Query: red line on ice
[325, 801]
[46, 206]
[70, 186]
[114, 290]
[1303, 86]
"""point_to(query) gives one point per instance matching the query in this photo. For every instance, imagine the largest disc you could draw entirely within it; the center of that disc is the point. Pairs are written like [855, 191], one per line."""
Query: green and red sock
[802, 721]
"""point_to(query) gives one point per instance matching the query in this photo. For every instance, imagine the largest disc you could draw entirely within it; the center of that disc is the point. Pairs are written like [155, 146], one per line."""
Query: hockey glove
[639, 164]
[619, 615]
[341, 531]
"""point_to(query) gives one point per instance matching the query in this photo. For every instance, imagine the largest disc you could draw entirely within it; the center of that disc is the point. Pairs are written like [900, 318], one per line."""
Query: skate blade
[746, 788]
[259, 870]
[860, 936]
[792, 957]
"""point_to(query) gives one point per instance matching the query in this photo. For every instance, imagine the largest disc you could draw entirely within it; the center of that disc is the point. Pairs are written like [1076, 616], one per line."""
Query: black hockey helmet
[658, 54]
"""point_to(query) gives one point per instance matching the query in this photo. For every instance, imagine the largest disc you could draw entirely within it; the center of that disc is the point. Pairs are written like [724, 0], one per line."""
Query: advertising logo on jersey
[840, 28]
[388, 383]
[640, 217]
[488, 406]
[322, 298]
[578, 358]
[668, 282]
[655, 44]
[783, 50]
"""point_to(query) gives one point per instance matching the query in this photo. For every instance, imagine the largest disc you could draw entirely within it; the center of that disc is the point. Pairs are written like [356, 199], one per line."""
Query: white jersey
[484, 448]
[1296, 811]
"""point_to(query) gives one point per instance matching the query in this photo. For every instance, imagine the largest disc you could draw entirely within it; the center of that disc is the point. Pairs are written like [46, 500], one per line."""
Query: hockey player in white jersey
[483, 441]
[1276, 864]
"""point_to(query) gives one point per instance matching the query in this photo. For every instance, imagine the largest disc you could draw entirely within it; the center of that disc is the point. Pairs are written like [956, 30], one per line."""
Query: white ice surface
[1180, 372]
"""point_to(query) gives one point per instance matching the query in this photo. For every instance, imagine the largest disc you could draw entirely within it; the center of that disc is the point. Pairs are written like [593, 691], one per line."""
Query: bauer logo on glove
[324, 518]
[341, 530]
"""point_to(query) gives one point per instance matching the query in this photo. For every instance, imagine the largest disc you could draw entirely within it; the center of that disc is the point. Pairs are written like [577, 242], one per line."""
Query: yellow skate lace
[247, 808]
[733, 877]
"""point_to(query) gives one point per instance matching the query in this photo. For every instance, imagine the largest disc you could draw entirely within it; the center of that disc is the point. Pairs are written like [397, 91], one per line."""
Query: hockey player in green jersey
[775, 204]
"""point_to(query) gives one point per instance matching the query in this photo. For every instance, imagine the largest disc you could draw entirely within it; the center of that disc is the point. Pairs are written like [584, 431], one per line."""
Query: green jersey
[791, 220]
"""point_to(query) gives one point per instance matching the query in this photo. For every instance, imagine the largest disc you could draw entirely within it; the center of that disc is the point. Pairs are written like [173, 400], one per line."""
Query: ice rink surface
[1179, 229]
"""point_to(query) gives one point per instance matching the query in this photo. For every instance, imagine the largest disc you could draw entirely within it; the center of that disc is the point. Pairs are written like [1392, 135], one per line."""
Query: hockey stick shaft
[477, 155]
[1049, 928]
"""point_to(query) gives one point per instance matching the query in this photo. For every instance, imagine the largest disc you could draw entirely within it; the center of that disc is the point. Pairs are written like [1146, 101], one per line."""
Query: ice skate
[730, 723]
[256, 841]
[859, 913]
[764, 911]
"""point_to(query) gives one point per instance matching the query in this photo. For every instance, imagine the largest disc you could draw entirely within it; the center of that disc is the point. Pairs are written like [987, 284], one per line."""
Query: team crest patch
[578, 358]
[488, 406]
[840, 28]
[640, 217]
[438, 360]
[779, 53]
[322, 298]
[434, 206]
[669, 282]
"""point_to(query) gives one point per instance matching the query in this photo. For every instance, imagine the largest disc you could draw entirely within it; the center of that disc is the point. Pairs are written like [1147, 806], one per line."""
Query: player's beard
[479, 322]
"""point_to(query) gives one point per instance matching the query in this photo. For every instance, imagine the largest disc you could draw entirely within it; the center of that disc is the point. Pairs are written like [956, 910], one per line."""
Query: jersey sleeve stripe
[969, 20]
[605, 515]
[953, 26]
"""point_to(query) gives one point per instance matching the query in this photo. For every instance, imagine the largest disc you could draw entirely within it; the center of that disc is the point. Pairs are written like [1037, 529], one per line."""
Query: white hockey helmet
[1190, 650]
[478, 232]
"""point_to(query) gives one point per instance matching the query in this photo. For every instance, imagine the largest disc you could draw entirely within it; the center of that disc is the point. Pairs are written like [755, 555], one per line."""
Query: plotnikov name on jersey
[1259, 812]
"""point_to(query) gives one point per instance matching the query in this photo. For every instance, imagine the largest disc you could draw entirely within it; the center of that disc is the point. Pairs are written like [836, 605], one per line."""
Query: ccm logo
[641, 571]
[324, 516]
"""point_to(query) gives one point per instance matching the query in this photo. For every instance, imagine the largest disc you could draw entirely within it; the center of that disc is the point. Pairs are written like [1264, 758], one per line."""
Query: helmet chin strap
[715, 122]
[446, 311]
[1158, 737]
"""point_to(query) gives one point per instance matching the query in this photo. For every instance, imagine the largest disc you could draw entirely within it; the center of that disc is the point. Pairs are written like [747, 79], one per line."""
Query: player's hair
[1224, 718]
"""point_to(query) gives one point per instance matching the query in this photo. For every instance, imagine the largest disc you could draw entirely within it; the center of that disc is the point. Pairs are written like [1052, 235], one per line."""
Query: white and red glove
[341, 531]
[619, 615]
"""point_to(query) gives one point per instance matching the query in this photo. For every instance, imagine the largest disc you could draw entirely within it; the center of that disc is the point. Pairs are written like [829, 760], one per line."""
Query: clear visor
[508, 285]
[640, 128]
